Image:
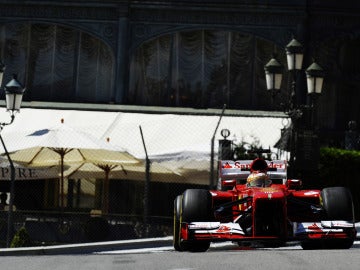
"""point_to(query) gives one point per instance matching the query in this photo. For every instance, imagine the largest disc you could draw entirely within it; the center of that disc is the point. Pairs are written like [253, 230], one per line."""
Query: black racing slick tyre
[337, 203]
[196, 206]
[327, 244]
[177, 224]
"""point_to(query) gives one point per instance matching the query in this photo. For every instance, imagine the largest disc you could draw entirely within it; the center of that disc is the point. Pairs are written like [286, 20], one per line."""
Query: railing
[49, 228]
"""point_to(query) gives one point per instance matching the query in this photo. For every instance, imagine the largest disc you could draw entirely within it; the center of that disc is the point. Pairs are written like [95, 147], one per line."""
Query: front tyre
[327, 244]
[338, 205]
[177, 224]
[196, 206]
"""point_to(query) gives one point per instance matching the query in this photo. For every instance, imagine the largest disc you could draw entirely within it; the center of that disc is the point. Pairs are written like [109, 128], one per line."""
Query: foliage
[345, 155]
[242, 150]
[21, 239]
[340, 167]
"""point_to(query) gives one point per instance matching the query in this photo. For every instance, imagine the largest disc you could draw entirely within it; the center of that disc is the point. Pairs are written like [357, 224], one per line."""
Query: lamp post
[294, 110]
[225, 146]
[14, 92]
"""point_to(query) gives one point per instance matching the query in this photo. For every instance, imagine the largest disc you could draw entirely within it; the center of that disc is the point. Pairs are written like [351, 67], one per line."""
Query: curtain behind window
[57, 63]
[200, 69]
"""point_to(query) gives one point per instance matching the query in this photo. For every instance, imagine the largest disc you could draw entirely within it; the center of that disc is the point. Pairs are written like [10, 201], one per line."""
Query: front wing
[325, 229]
[217, 231]
[213, 231]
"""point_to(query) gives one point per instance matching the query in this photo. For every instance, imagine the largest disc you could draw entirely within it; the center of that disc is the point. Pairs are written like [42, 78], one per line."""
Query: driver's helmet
[258, 179]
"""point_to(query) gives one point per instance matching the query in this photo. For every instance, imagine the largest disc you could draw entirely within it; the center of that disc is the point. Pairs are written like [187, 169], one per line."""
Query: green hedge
[339, 167]
[21, 239]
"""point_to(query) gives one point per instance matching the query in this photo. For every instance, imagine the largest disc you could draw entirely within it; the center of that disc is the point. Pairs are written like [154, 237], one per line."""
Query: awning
[180, 143]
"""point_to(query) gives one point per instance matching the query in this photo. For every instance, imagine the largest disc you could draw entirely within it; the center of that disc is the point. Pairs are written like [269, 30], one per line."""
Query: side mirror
[294, 184]
[228, 184]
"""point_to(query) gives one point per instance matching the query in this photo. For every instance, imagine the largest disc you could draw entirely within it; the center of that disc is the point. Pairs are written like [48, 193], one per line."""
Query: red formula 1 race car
[258, 204]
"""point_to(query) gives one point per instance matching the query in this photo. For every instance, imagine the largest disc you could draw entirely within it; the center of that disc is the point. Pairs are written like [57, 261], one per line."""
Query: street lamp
[314, 76]
[273, 75]
[13, 96]
[315, 79]
[294, 55]
[14, 92]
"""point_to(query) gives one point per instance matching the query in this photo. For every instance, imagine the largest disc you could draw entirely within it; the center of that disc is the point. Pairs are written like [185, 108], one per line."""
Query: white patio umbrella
[65, 145]
[135, 172]
[121, 172]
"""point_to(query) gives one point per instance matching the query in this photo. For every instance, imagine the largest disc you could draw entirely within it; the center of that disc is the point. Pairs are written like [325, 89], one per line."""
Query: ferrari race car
[256, 203]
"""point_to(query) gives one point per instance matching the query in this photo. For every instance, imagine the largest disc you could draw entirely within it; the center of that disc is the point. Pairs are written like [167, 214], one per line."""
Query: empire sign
[22, 173]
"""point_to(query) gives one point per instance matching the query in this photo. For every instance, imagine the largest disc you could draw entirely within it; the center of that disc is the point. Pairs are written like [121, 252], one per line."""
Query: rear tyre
[196, 206]
[338, 205]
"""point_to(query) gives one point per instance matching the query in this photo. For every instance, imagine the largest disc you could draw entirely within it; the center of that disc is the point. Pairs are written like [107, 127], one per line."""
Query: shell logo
[243, 206]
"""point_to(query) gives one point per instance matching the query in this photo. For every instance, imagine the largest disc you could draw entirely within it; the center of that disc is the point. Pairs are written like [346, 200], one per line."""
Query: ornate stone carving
[59, 12]
[140, 32]
[219, 18]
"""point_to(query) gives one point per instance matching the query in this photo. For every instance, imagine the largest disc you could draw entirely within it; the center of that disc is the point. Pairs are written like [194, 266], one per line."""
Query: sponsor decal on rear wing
[240, 169]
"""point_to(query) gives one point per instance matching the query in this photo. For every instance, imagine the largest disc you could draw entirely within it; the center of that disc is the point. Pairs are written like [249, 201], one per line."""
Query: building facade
[190, 53]
[198, 54]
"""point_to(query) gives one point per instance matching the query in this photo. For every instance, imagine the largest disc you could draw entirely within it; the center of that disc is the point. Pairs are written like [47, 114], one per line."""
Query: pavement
[88, 248]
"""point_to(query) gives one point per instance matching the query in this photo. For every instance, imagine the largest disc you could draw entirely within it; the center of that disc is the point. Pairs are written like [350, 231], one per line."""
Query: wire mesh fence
[82, 220]
[84, 201]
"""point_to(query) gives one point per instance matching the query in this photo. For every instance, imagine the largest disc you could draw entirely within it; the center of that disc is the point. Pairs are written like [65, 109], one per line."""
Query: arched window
[57, 63]
[201, 69]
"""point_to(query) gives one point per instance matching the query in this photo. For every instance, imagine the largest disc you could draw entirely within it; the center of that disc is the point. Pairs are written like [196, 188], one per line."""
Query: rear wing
[240, 170]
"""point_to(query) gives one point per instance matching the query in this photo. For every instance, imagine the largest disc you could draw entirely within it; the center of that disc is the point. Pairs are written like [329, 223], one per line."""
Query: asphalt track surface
[143, 255]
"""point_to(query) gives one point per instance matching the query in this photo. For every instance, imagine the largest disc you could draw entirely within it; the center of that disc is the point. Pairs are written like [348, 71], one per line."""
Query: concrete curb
[88, 247]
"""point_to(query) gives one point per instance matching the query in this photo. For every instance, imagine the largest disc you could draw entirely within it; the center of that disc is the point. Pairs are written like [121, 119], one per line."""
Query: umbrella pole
[62, 181]
[105, 204]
